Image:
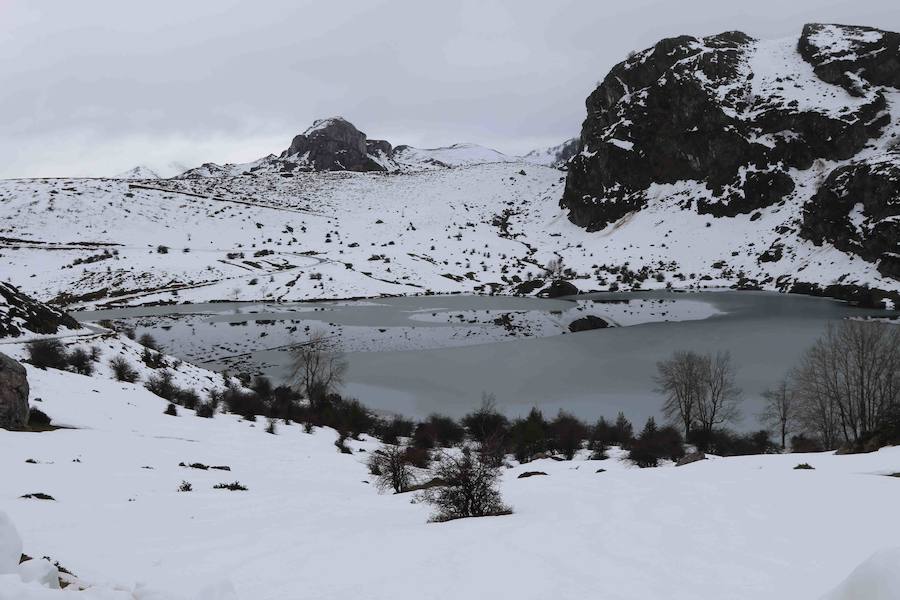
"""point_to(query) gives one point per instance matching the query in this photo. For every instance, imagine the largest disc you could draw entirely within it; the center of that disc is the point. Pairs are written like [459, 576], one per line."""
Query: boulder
[559, 288]
[690, 458]
[13, 394]
[587, 323]
[527, 474]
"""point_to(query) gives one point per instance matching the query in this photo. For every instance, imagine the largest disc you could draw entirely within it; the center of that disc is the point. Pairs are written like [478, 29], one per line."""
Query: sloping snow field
[312, 526]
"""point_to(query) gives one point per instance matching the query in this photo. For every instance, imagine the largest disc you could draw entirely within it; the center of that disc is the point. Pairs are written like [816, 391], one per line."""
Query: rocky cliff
[728, 125]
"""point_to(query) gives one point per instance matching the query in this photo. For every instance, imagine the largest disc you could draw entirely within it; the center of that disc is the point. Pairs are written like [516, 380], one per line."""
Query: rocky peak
[20, 314]
[334, 144]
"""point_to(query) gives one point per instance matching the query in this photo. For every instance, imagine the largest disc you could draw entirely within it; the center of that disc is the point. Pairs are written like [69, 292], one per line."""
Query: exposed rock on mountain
[336, 145]
[13, 394]
[728, 125]
[857, 209]
[20, 314]
[554, 156]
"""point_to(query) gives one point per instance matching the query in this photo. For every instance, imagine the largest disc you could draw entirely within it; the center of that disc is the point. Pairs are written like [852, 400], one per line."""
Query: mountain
[798, 135]
[138, 172]
[554, 156]
[335, 144]
[22, 316]
[457, 155]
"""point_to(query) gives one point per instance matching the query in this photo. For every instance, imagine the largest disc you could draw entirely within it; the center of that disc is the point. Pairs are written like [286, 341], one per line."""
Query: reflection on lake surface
[426, 354]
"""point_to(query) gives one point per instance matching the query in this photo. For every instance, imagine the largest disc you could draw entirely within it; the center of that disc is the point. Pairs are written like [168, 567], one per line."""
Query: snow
[138, 172]
[624, 533]
[457, 155]
[10, 545]
[878, 578]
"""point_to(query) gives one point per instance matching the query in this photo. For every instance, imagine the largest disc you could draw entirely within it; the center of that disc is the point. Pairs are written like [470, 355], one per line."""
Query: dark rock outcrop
[857, 209]
[20, 313]
[689, 110]
[844, 54]
[558, 288]
[587, 324]
[336, 145]
[13, 394]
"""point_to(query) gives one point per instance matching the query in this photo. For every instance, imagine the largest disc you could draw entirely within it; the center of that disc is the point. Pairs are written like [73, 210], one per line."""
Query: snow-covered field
[478, 228]
[311, 524]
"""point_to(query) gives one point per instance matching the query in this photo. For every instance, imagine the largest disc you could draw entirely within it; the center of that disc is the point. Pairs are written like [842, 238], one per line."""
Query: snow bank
[10, 545]
[877, 578]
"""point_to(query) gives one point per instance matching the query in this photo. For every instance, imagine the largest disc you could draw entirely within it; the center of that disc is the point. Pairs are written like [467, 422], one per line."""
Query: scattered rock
[559, 288]
[38, 496]
[690, 458]
[587, 324]
[530, 474]
[804, 466]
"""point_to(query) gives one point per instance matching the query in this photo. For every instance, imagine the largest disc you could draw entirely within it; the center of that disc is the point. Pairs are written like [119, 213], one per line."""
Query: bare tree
[680, 379]
[782, 410]
[849, 380]
[555, 268]
[391, 468]
[720, 401]
[318, 367]
[700, 390]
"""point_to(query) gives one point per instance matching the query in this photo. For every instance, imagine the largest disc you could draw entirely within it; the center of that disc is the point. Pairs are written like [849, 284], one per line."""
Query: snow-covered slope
[138, 172]
[554, 156]
[457, 155]
[312, 525]
[339, 235]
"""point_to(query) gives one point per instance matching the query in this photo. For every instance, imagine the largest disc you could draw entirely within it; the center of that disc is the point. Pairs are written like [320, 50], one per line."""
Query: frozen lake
[418, 355]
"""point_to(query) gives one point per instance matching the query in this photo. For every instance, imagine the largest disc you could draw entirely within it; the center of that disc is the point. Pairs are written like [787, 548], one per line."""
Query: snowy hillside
[338, 235]
[138, 172]
[117, 521]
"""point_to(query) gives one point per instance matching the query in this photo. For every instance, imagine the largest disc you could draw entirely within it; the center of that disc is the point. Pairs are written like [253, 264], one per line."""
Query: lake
[418, 355]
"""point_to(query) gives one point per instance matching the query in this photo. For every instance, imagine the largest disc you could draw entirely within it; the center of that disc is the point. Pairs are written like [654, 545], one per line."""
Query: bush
[171, 410]
[206, 410]
[81, 362]
[391, 468]
[47, 353]
[185, 487]
[148, 341]
[187, 398]
[392, 430]
[803, 443]
[725, 442]
[528, 436]
[469, 488]
[234, 486]
[803, 466]
[122, 370]
[161, 385]
[567, 434]
[153, 359]
[655, 444]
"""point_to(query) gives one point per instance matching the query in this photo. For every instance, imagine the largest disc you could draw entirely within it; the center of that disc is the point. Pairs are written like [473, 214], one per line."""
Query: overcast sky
[94, 87]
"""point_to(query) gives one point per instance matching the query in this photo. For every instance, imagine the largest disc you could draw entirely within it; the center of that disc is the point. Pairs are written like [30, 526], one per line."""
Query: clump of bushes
[52, 354]
[655, 444]
[391, 467]
[468, 489]
[122, 370]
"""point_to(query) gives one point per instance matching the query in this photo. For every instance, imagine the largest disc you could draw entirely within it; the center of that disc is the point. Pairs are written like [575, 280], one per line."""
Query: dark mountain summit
[336, 145]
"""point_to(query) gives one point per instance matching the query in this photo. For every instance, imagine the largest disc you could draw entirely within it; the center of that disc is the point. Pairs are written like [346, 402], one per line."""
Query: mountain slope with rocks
[801, 132]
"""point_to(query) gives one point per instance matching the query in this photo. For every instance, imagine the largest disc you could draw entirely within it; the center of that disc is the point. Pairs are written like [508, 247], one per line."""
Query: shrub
[392, 430]
[270, 428]
[436, 431]
[206, 410]
[567, 434]
[122, 370]
[341, 444]
[185, 487]
[47, 353]
[234, 486]
[171, 410]
[469, 488]
[161, 385]
[153, 359]
[725, 442]
[803, 466]
[803, 443]
[528, 436]
[148, 341]
[391, 468]
[187, 398]
[162, 249]
[246, 404]
[655, 444]
[80, 361]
